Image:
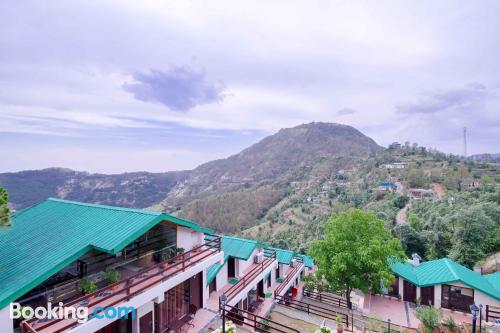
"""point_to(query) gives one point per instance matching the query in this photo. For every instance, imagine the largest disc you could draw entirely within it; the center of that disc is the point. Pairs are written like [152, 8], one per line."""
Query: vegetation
[86, 285]
[111, 276]
[429, 316]
[354, 253]
[464, 226]
[450, 324]
[4, 207]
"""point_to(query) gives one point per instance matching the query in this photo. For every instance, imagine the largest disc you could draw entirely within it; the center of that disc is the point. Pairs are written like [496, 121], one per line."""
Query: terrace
[132, 286]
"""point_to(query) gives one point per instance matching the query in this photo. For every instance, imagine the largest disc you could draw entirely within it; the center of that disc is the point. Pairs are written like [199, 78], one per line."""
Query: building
[395, 145]
[444, 283]
[170, 271]
[395, 165]
[419, 193]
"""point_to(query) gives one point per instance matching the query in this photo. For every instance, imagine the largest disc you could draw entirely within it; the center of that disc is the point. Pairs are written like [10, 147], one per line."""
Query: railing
[130, 287]
[258, 323]
[288, 278]
[492, 313]
[328, 298]
[313, 309]
[250, 276]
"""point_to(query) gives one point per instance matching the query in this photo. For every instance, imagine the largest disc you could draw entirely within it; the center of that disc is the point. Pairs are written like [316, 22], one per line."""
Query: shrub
[87, 286]
[429, 317]
[111, 276]
[450, 324]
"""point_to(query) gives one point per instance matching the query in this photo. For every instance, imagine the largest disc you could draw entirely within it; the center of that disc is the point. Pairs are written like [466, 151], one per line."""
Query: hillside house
[444, 283]
[169, 269]
[395, 165]
[419, 193]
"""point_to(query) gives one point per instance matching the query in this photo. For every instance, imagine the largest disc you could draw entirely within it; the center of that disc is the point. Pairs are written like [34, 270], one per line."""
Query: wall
[242, 265]
[221, 278]
[6, 324]
[188, 238]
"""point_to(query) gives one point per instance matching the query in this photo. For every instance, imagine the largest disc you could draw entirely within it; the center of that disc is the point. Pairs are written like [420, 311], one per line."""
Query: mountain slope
[229, 195]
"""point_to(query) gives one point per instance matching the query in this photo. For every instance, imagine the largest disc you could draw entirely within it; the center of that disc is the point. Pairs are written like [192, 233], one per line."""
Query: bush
[111, 276]
[450, 324]
[87, 286]
[429, 317]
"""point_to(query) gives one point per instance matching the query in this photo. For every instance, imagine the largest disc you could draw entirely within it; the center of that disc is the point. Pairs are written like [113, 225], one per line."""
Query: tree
[410, 240]
[4, 207]
[355, 253]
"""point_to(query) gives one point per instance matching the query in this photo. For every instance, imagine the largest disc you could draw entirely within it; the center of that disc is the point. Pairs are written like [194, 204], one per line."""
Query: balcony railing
[270, 257]
[128, 288]
[290, 275]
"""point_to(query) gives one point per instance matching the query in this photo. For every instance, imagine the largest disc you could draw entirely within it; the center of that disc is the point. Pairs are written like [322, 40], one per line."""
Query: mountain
[229, 194]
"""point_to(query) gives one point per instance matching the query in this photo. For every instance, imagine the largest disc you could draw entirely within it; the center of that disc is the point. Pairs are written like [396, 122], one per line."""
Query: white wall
[6, 324]
[242, 265]
[437, 296]
[143, 310]
[188, 238]
[221, 278]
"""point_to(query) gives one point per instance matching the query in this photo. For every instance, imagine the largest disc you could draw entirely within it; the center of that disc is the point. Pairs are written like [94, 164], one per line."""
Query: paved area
[383, 308]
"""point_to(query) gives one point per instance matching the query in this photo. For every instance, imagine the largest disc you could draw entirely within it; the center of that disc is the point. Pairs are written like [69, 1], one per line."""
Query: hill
[229, 194]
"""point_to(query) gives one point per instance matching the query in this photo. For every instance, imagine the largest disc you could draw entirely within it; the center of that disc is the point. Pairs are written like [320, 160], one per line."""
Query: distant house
[419, 193]
[385, 186]
[395, 145]
[444, 283]
[395, 165]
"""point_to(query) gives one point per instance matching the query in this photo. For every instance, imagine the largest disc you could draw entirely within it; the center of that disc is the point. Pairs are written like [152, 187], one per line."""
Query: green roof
[212, 272]
[48, 236]
[444, 271]
[283, 256]
[494, 280]
[308, 261]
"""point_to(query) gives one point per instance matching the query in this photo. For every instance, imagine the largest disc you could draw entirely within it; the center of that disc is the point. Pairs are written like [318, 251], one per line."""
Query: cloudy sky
[113, 86]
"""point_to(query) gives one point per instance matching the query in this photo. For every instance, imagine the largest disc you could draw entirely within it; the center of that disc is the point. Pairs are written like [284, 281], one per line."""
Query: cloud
[179, 88]
[345, 111]
[467, 98]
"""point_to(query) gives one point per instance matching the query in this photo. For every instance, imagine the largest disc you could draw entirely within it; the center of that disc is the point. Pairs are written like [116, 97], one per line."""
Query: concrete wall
[221, 278]
[188, 238]
[6, 324]
[242, 265]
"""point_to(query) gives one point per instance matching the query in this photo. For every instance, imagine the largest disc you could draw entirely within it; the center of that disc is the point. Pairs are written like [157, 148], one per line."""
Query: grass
[297, 324]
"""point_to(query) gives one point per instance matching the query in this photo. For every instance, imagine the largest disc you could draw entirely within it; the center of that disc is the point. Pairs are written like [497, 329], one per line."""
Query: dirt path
[402, 216]
[439, 189]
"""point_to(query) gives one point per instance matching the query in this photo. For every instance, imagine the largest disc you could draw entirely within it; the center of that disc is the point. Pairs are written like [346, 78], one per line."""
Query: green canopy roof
[212, 272]
[283, 256]
[48, 236]
[308, 261]
[444, 271]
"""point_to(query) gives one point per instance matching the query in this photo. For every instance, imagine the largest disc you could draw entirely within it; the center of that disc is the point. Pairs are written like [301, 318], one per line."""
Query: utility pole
[465, 141]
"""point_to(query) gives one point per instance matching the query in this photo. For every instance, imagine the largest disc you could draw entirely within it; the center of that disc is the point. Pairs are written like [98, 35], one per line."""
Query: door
[409, 292]
[231, 268]
[146, 323]
[427, 295]
[260, 288]
[278, 272]
[195, 293]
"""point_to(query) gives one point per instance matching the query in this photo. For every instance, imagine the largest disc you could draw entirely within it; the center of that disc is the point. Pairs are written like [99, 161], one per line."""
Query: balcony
[126, 289]
[250, 278]
[290, 276]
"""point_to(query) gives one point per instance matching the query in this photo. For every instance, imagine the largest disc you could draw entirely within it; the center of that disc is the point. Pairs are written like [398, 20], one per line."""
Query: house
[419, 193]
[169, 270]
[395, 145]
[395, 165]
[444, 283]
[51, 246]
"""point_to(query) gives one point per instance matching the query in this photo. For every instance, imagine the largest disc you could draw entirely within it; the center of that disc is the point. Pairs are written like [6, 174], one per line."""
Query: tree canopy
[4, 207]
[355, 253]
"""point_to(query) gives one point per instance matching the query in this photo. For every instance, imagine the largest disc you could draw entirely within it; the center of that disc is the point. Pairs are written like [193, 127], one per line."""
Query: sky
[117, 86]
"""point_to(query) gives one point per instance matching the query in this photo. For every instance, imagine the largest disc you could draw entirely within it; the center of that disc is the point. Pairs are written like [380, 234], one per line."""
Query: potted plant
[418, 301]
[340, 324]
[399, 298]
[324, 329]
[87, 286]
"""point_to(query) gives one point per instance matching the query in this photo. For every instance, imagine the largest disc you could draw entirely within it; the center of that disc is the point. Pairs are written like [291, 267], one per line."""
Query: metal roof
[48, 236]
[308, 261]
[283, 256]
[212, 272]
[444, 271]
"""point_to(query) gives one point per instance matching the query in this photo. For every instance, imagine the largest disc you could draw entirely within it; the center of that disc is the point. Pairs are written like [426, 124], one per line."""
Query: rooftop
[48, 236]
[445, 270]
